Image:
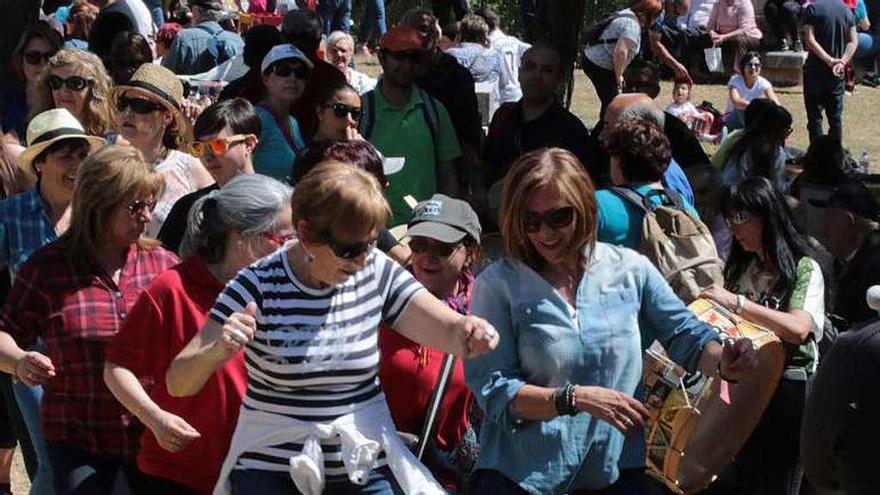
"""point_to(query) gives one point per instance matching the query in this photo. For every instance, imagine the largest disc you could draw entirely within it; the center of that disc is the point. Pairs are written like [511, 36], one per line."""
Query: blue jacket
[622, 305]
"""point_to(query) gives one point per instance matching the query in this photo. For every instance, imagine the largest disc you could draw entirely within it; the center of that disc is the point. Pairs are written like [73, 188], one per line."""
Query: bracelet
[740, 303]
[726, 379]
[563, 400]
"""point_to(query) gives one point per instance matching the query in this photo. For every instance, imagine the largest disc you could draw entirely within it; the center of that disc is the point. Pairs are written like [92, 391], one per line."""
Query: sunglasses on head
[73, 83]
[138, 207]
[419, 245]
[351, 251]
[218, 146]
[737, 218]
[341, 110]
[414, 56]
[34, 57]
[285, 69]
[139, 106]
[555, 219]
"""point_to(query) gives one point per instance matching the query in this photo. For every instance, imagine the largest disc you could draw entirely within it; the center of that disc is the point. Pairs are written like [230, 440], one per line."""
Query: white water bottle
[864, 162]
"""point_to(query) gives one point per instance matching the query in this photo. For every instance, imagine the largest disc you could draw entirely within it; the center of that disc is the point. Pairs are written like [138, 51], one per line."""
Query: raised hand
[238, 330]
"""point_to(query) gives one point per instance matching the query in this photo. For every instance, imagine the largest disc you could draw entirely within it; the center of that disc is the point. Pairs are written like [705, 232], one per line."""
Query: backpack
[678, 243]
[219, 50]
[429, 113]
[591, 34]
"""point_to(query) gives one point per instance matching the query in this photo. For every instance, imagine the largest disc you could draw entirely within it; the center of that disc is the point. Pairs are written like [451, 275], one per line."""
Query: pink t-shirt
[730, 16]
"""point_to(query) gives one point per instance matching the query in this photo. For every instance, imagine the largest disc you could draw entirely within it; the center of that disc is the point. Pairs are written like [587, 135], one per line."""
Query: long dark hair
[763, 137]
[783, 245]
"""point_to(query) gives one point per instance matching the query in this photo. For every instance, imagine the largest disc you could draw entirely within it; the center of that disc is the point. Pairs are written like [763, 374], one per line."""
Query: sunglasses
[341, 110]
[419, 245]
[414, 56]
[285, 69]
[555, 219]
[34, 57]
[218, 146]
[73, 83]
[138, 207]
[737, 218]
[278, 238]
[753, 66]
[351, 251]
[139, 106]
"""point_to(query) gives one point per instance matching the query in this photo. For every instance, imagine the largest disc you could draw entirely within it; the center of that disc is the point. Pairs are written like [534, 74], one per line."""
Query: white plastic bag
[713, 59]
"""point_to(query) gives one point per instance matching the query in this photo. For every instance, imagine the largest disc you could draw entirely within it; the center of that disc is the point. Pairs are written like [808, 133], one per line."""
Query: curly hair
[95, 118]
[642, 149]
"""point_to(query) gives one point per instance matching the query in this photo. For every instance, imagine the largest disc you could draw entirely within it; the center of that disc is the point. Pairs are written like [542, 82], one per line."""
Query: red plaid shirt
[77, 312]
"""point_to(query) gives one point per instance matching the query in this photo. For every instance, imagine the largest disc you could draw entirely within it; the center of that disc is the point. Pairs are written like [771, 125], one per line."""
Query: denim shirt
[621, 302]
[188, 46]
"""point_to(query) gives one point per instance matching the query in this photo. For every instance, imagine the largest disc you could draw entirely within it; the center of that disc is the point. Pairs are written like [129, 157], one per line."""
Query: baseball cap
[400, 38]
[284, 52]
[444, 219]
[853, 197]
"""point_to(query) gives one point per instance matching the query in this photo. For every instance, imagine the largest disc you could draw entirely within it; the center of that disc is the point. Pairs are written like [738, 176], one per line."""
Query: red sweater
[164, 319]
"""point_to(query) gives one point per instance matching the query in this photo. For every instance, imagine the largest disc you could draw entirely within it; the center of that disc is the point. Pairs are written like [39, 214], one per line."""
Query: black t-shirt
[831, 21]
[510, 136]
[862, 272]
[453, 86]
[172, 231]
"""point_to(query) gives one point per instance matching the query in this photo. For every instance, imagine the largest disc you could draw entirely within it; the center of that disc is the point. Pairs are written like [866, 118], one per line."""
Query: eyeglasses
[341, 110]
[419, 245]
[138, 207]
[139, 106]
[73, 83]
[351, 251]
[555, 219]
[737, 218]
[414, 56]
[278, 238]
[34, 57]
[285, 69]
[218, 146]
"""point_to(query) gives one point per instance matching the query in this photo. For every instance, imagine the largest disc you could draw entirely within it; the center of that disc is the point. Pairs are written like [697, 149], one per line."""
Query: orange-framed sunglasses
[218, 146]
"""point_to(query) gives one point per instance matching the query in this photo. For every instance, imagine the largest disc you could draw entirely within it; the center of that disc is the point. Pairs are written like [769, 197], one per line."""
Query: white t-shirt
[315, 354]
[682, 110]
[756, 91]
[511, 50]
[176, 169]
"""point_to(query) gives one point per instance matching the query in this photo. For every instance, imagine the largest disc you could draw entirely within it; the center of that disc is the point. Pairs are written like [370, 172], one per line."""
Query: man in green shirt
[409, 127]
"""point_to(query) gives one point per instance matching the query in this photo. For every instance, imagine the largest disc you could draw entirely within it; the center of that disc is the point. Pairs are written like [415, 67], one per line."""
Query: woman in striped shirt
[314, 418]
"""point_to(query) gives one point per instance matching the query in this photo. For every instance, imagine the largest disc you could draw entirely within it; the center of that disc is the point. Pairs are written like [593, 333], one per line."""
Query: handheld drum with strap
[696, 427]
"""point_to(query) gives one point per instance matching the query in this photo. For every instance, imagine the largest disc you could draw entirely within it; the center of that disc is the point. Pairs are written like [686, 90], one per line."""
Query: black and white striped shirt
[315, 354]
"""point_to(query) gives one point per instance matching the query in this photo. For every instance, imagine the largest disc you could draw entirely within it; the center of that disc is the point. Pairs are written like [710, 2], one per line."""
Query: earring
[307, 256]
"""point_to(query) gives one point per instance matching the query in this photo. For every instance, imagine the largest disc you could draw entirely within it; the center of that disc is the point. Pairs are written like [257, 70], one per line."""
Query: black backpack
[592, 34]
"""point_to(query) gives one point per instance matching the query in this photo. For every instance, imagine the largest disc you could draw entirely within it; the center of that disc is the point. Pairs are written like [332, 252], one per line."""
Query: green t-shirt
[719, 158]
[807, 294]
[403, 137]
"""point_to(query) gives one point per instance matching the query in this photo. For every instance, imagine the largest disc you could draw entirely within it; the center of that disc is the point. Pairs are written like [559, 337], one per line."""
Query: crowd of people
[311, 280]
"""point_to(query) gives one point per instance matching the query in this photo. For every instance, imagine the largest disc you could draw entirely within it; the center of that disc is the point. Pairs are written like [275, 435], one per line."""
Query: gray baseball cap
[444, 219]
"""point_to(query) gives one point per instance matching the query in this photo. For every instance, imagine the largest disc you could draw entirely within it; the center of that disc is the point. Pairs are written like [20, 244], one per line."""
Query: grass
[859, 119]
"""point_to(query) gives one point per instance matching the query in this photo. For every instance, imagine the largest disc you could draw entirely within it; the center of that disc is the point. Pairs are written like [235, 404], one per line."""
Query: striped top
[315, 354]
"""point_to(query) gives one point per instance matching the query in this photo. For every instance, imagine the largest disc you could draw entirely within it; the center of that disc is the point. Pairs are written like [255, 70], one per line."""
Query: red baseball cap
[400, 38]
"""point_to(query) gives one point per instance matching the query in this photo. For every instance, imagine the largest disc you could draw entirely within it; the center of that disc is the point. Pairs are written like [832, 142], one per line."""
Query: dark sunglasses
[285, 69]
[419, 245]
[414, 56]
[555, 219]
[754, 65]
[139, 106]
[341, 110]
[351, 251]
[135, 208]
[73, 83]
[34, 57]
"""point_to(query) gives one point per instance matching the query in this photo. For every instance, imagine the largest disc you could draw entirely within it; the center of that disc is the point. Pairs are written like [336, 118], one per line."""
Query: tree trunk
[558, 23]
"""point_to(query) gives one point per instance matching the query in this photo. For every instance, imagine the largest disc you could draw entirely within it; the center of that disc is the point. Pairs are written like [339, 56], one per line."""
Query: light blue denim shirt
[621, 302]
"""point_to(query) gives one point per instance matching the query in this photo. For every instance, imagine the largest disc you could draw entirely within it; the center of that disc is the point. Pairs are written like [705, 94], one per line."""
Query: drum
[698, 424]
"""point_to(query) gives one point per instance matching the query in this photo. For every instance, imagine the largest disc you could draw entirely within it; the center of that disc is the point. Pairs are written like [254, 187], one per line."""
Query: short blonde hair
[539, 168]
[337, 37]
[104, 180]
[336, 197]
[96, 113]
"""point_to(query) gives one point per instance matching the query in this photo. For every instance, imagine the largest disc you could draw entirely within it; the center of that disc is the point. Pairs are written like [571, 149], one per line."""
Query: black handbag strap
[443, 379]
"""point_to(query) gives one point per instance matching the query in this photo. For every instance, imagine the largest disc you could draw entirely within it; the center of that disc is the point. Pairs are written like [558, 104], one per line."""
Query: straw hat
[50, 127]
[160, 83]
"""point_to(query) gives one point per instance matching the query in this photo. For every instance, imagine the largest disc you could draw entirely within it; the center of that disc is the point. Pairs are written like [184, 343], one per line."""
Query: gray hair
[208, 14]
[337, 37]
[249, 204]
[643, 111]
